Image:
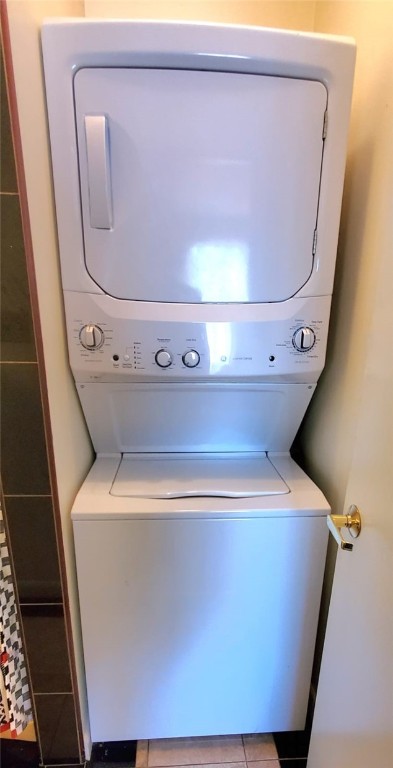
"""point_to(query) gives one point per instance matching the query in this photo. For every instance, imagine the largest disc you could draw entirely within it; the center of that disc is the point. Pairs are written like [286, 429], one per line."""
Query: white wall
[288, 14]
[329, 430]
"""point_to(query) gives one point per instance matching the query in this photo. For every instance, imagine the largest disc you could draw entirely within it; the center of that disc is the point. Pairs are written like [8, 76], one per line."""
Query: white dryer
[198, 174]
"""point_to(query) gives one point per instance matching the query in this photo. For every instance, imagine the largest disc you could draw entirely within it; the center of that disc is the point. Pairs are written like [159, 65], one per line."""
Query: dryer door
[198, 186]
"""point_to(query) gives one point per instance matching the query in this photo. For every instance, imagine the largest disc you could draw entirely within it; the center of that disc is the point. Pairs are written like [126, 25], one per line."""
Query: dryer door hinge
[314, 242]
[325, 125]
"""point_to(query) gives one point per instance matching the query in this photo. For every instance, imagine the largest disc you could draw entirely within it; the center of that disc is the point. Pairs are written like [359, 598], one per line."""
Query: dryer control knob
[163, 358]
[303, 339]
[91, 337]
[191, 358]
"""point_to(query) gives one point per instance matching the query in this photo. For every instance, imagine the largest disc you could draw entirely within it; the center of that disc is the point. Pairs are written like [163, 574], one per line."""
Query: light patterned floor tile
[142, 751]
[204, 750]
[218, 765]
[259, 746]
[265, 764]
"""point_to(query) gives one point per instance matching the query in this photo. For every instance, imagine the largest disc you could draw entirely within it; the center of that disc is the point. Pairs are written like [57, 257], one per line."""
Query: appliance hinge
[314, 242]
[325, 125]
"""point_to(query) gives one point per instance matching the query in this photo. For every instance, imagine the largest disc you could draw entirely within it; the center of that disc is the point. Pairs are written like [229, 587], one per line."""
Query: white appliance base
[200, 626]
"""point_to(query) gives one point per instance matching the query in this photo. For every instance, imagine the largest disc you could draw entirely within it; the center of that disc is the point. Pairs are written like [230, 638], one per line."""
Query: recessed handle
[98, 171]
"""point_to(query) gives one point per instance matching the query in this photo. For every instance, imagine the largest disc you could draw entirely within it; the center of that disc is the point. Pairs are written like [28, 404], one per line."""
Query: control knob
[191, 358]
[91, 337]
[303, 339]
[163, 358]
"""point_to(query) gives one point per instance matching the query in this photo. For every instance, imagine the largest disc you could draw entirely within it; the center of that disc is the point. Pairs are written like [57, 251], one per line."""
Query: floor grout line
[210, 762]
[226, 762]
[264, 761]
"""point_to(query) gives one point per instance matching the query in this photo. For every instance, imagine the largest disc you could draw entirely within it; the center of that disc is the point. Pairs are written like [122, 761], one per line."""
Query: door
[353, 723]
[198, 186]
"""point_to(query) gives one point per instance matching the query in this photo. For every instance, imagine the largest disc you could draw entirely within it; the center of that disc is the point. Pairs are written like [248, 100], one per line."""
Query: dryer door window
[198, 186]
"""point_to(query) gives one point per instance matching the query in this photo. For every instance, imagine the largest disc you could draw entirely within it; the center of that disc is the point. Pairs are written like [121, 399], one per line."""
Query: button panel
[230, 350]
[281, 345]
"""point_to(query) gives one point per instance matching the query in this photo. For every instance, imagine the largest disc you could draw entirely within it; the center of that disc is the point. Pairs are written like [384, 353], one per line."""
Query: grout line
[27, 495]
[19, 362]
[63, 765]
[24, 605]
[52, 693]
[200, 765]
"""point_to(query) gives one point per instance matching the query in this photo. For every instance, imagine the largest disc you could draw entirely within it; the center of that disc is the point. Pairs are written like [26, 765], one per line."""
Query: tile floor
[251, 751]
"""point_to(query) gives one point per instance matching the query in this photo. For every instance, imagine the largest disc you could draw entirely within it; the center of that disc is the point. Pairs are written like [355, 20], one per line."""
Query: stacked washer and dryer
[198, 174]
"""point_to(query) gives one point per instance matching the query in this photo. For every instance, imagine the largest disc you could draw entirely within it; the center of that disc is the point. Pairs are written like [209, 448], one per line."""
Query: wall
[29, 500]
[328, 433]
[287, 14]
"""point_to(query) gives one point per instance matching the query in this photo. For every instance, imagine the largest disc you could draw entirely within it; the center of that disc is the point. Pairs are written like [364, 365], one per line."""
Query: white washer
[199, 614]
[198, 173]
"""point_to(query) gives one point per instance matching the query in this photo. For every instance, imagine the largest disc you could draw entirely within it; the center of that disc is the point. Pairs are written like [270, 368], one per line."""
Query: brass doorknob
[352, 521]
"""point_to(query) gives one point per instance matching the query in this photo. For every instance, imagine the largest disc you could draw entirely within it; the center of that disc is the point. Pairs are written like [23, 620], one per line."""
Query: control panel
[104, 347]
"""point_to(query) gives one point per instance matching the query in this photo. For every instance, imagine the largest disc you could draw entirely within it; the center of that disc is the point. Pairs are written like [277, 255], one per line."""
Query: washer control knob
[91, 337]
[303, 339]
[191, 358]
[163, 358]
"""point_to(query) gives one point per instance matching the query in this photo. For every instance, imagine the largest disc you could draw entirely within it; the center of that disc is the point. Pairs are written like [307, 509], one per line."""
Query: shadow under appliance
[198, 174]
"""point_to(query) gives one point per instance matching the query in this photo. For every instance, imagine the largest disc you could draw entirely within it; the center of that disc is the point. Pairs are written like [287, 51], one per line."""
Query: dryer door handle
[98, 171]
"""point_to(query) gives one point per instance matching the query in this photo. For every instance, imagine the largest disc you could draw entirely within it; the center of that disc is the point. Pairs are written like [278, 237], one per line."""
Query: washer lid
[179, 475]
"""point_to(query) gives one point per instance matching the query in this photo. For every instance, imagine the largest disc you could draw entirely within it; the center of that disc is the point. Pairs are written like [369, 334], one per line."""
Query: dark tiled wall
[27, 497]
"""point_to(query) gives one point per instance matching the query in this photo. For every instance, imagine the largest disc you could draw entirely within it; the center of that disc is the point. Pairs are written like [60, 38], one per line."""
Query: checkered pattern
[15, 704]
